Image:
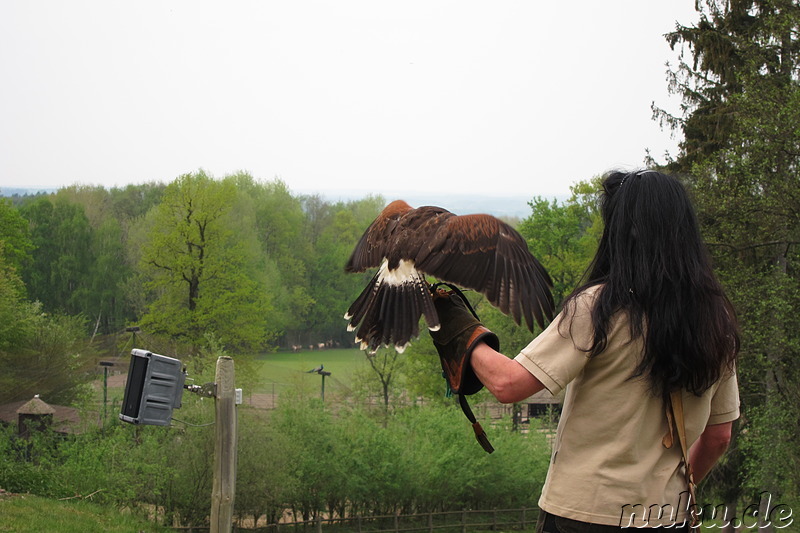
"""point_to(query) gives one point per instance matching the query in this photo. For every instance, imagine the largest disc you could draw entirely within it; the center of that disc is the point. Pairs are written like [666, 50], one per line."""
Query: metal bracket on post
[207, 390]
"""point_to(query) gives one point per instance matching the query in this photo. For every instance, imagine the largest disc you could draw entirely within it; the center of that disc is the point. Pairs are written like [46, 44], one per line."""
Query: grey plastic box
[153, 389]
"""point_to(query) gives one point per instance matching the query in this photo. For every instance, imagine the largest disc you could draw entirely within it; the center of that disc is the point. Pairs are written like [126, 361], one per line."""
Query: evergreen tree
[741, 156]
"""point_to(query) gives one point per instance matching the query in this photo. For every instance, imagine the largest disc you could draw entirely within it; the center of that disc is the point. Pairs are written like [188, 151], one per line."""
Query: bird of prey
[478, 252]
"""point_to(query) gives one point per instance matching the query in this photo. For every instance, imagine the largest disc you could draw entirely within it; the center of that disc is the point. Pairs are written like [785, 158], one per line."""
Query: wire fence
[444, 522]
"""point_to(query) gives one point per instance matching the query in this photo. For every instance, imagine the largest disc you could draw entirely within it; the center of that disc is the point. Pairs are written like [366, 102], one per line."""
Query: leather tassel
[480, 434]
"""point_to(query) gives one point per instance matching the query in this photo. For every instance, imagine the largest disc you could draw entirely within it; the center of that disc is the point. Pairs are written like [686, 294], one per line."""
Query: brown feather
[478, 252]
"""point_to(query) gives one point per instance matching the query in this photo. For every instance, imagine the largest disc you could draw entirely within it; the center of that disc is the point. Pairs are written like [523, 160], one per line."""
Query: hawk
[478, 252]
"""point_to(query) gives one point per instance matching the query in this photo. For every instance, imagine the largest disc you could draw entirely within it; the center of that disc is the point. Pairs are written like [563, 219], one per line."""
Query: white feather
[404, 273]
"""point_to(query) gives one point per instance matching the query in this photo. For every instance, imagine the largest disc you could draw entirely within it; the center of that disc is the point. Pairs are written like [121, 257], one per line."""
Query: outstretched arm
[711, 445]
[505, 378]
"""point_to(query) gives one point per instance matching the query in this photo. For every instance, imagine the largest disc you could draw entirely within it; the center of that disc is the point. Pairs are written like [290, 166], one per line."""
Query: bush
[302, 457]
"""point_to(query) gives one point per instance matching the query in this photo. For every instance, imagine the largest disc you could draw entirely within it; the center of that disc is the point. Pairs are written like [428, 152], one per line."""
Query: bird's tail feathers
[359, 307]
[387, 314]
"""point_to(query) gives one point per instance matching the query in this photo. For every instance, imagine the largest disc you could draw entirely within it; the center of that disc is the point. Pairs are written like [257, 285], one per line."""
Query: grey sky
[506, 97]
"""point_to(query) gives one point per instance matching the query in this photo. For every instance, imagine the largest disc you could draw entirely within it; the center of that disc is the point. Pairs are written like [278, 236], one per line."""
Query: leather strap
[480, 434]
[675, 418]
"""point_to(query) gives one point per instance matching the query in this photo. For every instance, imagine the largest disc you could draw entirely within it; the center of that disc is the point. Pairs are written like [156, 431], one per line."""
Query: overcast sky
[499, 97]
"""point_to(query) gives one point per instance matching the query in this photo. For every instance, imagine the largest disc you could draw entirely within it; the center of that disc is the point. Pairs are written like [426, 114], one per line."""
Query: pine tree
[740, 155]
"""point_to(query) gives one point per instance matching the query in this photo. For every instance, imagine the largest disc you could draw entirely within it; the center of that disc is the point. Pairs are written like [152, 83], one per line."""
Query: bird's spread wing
[478, 252]
[483, 253]
[370, 251]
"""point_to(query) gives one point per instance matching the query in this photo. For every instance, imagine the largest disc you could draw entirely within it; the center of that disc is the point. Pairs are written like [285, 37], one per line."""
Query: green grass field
[278, 371]
[24, 513]
[275, 373]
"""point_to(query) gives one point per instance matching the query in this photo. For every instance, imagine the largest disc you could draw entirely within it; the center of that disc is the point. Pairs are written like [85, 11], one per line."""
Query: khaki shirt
[608, 464]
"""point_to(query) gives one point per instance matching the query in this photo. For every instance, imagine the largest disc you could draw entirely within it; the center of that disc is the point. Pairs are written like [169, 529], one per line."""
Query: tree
[59, 274]
[200, 269]
[40, 353]
[15, 312]
[14, 236]
[732, 39]
[279, 223]
[332, 288]
[564, 235]
[110, 268]
[109, 308]
[386, 365]
[741, 154]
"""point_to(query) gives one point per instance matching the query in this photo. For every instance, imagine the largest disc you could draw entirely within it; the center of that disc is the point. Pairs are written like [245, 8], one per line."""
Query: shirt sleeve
[725, 402]
[555, 357]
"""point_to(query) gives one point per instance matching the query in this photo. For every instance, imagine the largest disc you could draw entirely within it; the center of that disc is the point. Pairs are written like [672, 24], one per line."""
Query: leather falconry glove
[460, 332]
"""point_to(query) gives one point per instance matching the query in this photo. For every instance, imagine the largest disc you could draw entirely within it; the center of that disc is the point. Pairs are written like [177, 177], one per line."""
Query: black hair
[652, 264]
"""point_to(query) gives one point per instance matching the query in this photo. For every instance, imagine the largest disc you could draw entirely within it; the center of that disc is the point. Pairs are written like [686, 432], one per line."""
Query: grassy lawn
[280, 370]
[271, 374]
[24, 513]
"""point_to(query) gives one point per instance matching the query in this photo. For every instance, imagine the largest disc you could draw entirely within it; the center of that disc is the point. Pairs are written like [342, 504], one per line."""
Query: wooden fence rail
[451, 521]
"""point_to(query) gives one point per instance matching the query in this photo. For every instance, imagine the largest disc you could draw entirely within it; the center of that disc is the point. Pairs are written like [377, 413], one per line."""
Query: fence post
[224, 485]
[319, 523]
[522, 525]
[430, 521]
[463, 521]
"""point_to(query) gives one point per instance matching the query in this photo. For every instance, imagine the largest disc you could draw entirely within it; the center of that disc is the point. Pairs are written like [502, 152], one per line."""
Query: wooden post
[224, 486]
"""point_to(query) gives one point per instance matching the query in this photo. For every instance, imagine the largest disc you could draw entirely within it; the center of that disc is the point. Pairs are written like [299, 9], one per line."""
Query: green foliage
[386, 364]
[15, 311]
[564, 235]
[741, 154]
[125, 466]
[15, 243]
[39, 353]
[242, 259]
[334, 230]
[424, 459]
[731, 39]
[60, 274]
[301, 457]
[264, 473]
[199, 272]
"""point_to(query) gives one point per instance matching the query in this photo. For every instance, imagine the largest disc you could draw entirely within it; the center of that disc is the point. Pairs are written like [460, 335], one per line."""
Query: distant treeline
[184, 259]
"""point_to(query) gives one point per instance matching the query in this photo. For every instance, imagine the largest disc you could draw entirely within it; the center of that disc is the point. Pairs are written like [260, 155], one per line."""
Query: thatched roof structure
[65, 419]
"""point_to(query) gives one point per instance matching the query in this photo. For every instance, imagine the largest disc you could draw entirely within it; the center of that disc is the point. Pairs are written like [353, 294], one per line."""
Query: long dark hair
[652, 264]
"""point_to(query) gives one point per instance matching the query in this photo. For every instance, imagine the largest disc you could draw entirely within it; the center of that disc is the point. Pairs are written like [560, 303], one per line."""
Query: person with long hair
[649, 319]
